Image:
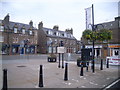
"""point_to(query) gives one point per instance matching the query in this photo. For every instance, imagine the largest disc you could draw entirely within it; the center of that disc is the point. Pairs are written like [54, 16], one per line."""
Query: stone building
[78, 46]
[50, 39]
[17, 38]
[107, 48]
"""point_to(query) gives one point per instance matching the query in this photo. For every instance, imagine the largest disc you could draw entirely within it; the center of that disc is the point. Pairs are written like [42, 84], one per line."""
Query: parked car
[78, 52]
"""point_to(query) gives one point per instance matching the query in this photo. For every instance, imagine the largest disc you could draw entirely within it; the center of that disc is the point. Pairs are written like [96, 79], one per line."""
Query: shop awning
[15, 45]
[114, 46]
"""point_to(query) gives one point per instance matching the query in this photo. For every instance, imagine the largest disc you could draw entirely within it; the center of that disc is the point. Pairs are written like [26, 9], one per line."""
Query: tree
[100, 35]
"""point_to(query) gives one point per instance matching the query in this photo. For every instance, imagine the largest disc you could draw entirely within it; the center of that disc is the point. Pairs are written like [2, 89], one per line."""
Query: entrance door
[98, 52]
[22, 51]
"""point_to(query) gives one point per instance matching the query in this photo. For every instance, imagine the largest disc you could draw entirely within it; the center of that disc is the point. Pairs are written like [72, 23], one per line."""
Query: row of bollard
[92, 67]
[5, 86]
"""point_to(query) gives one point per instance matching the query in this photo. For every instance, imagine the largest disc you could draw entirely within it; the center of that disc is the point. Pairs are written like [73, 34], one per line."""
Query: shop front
[15, 49]
[114, 49]
[97, 50]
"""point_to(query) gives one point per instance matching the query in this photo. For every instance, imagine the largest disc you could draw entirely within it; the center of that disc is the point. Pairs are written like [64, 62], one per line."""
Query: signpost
[61, 51]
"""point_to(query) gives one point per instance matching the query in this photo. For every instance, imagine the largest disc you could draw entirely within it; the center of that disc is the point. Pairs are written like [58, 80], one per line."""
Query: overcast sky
[64, 13]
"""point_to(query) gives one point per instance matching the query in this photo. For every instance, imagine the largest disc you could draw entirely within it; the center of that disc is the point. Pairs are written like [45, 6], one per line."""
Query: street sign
[60, 49]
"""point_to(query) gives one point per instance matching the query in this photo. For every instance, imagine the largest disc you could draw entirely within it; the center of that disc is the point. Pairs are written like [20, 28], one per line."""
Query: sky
[66, 14]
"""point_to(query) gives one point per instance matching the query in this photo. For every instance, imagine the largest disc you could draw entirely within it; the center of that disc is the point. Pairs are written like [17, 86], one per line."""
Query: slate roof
[27, 26]
[61, 32]
[19, 25]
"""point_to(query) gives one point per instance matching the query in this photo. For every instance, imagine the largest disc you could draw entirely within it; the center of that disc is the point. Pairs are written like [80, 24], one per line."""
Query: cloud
[59, 1]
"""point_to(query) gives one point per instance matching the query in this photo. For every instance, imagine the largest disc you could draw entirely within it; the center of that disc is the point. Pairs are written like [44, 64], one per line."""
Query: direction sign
[60, 49]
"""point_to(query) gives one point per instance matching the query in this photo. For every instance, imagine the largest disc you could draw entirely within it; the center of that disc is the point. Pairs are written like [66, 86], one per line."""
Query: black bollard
[107, 63]
[5, 79]
[101, 66]
[93, 66]
[59, 61]
[66, 72]
[87, 65]
[62, 60]
[41, 77]
[81, 72]
[87, 68]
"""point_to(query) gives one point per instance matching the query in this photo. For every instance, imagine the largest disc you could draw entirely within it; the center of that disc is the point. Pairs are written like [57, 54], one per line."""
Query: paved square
[25, 74]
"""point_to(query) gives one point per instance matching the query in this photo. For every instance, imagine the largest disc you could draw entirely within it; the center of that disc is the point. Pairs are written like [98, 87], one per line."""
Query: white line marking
[69, 83]
[107, 78]
[83, 86]
[112, 84]
[91, 83]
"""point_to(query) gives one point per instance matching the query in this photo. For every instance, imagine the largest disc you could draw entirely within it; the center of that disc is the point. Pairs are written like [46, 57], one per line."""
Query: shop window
[32, 50]
[116, 53]
[15, 50]
[54, 49]
[49, 49]
[1, 38]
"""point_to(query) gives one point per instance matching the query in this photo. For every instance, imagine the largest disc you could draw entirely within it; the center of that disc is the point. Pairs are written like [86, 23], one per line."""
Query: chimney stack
[6, 19]
[31, 23]
[40, 25]
[56, 27]
[69, 31]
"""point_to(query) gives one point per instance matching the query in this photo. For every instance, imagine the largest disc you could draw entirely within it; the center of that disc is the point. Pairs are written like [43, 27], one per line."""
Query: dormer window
[47, 32]
[68, 35]
[15, 30]
[1, 28]
[55, 33]
[50, 32]
[63, 35]
[58, 34]
[23, 31]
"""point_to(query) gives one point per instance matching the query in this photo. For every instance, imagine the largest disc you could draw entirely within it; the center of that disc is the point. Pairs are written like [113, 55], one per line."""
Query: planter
[52, 58]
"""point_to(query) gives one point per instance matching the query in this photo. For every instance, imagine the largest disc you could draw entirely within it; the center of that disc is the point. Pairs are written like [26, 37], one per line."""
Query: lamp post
[94, 27]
